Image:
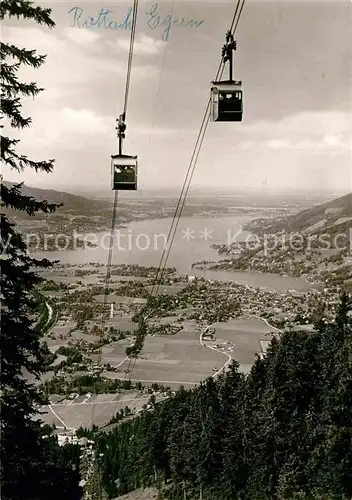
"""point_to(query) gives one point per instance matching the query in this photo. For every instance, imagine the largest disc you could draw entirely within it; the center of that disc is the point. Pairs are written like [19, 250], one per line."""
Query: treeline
[283, 431]
[40, 308]
[141, 332]
[84, 384]
[139, 271]
[52, 286]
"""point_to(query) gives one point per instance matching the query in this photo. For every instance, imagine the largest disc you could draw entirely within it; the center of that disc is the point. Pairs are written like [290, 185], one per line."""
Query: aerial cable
[186, 185]
[152, 125]
[190, 171]
[234, 28]
[179, 208]
[130, 55]
[157, 280]
[172, 239]
[113, 220]
[121, 129]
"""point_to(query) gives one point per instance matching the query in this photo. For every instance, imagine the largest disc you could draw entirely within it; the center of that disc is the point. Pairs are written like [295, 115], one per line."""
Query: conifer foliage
[282, 432]
[33, 466]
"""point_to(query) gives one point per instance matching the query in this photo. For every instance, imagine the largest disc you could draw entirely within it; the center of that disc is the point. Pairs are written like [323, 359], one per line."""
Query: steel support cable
[221, 66]
[107, 280]
[238, 18]
[128, 75]
[172, 239]
[159, 83]
[111, 246]
[186, 185]
[106, 285]
[113, 220]
[190, 171]
[130, 55]
[185, 188]
[152, 125]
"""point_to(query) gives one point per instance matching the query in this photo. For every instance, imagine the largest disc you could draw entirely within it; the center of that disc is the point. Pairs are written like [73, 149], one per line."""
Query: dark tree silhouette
[33, 466]
[283, 431]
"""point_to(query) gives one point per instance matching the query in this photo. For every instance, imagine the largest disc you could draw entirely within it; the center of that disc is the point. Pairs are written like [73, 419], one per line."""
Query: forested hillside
[320, 217]
[70, 202]
[284, 431]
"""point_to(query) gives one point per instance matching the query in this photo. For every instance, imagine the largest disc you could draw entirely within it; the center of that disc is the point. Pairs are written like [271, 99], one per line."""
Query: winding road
[50, 312]
[223, 368]
[266, 322]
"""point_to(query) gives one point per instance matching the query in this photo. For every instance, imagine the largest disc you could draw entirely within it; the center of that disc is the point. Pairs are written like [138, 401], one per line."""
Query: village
[195, 329]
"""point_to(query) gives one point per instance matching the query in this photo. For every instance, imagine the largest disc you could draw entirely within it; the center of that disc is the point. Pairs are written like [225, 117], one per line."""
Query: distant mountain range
[331, 214]
[71, 203]
[334, 214]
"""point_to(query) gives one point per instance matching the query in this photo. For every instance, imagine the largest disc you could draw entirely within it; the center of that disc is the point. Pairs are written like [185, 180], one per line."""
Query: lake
[142, 242]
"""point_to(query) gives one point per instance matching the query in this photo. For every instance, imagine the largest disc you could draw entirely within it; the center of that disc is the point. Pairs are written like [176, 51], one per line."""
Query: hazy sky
[294, 61]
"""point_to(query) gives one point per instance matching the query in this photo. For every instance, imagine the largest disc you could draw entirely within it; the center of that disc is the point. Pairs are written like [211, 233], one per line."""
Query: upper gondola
[226, 96]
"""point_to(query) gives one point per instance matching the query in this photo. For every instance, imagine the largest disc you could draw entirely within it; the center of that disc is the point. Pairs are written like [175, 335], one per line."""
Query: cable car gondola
[226, 103]
[226, 97]
[124, 172]
[123, 167]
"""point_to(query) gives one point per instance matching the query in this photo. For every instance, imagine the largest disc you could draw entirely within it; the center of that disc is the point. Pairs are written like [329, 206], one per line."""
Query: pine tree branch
[17, 269]
[13, 88]
[10, 108]
[10, 87]
[7, 153]
[13, 198]
[25, 9]
[19, 162]
[24, 56]
[30, 465]
[8, 72]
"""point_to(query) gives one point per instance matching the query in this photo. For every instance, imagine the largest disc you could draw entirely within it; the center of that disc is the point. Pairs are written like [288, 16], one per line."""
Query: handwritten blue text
[154, 20]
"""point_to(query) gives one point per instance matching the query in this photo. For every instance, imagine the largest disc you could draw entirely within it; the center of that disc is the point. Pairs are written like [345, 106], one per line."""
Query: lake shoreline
[142, 243]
